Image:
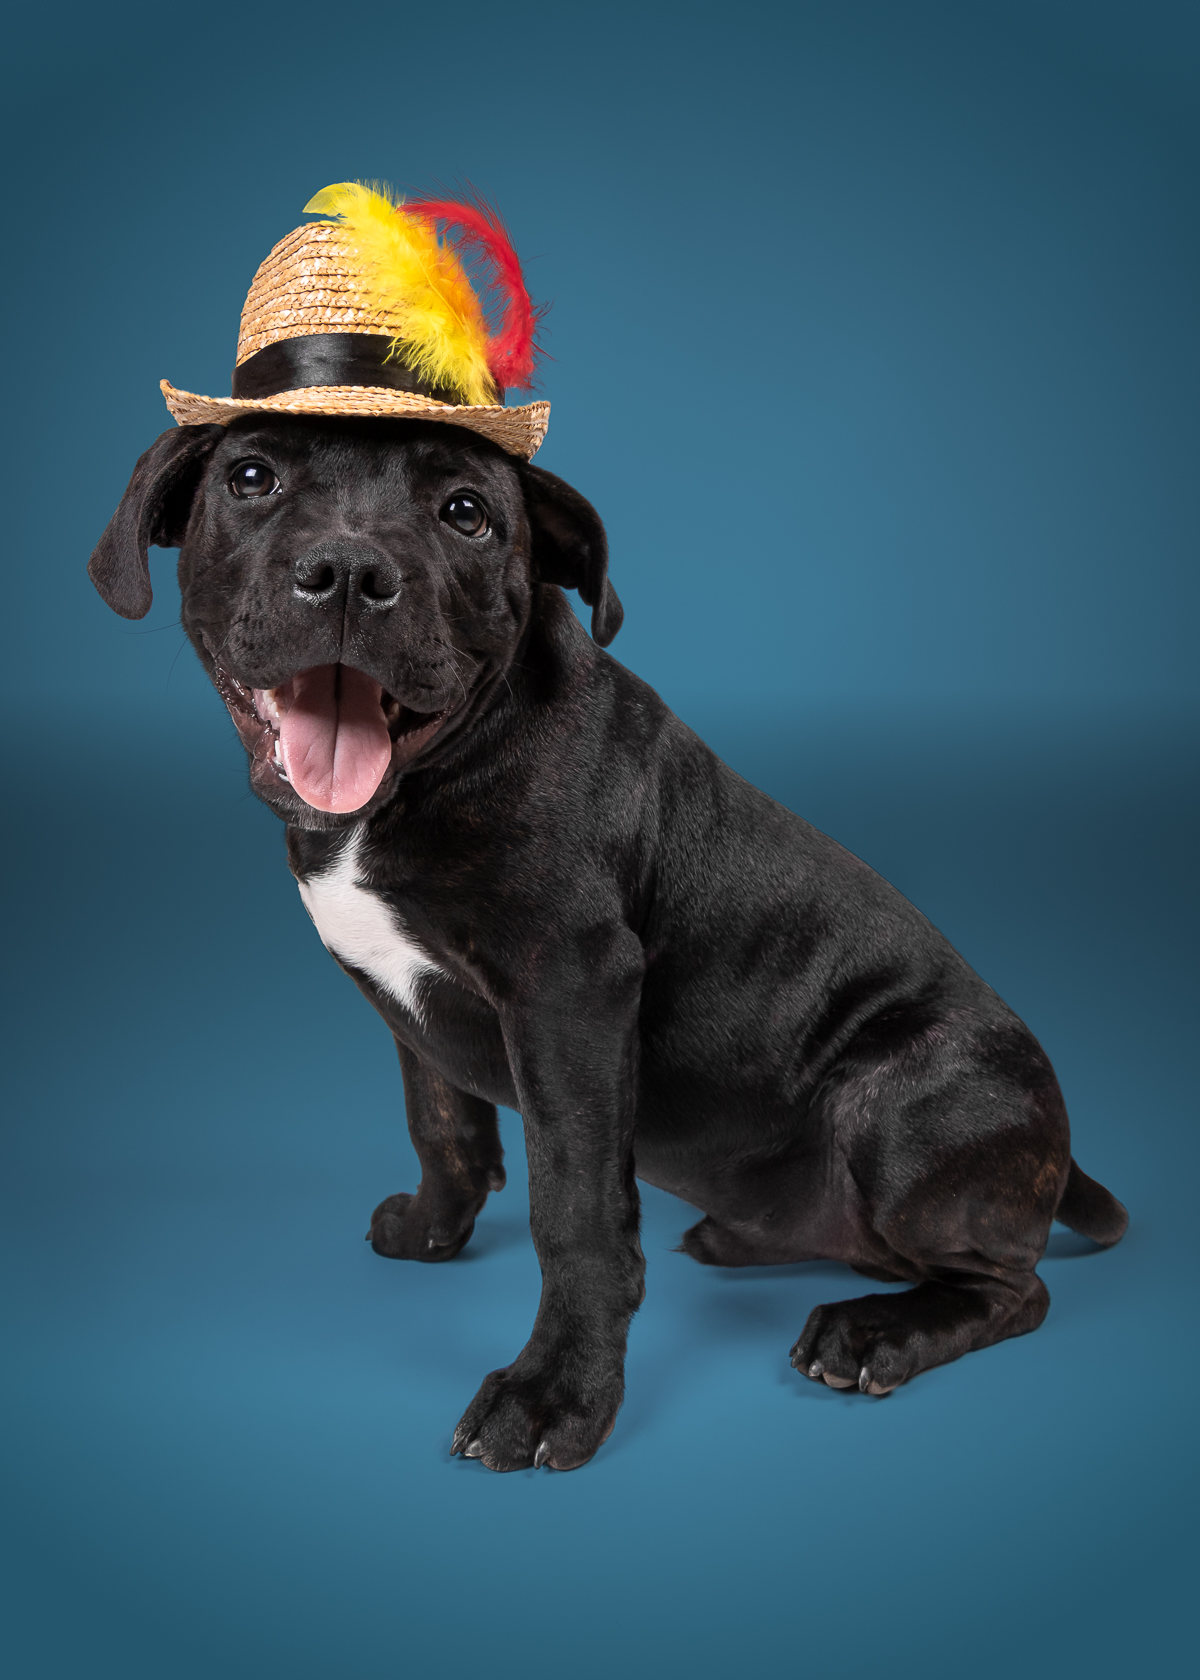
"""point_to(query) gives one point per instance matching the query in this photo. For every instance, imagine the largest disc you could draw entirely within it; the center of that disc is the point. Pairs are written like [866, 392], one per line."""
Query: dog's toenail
[816, 1370]
[541, 1455]
[864, 1378]
[474, 1450]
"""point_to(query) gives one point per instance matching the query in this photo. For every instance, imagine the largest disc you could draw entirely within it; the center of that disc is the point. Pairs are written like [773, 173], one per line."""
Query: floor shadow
[495, 1236]
[769, 1305]
[797, 1269]
[1070, 1245]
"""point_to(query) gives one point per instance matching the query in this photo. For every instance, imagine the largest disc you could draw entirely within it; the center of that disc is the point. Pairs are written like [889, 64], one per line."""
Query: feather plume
[416, 279]
[512, 351]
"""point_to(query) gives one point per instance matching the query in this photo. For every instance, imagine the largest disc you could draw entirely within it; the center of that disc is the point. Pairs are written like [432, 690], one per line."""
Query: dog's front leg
[572, 1044]
[458, 1145]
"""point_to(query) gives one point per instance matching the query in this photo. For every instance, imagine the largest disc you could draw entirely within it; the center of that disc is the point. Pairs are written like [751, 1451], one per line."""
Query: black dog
[558, 899]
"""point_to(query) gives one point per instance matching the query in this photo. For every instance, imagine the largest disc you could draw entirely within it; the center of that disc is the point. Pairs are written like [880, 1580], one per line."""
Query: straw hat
[335, 324]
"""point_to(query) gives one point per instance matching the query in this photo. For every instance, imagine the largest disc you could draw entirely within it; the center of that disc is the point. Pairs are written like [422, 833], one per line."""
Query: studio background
[874, 340]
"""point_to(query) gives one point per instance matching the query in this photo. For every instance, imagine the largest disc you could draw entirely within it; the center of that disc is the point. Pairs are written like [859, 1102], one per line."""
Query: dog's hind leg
[457, 1140]
[965, 1217]
[878, 1341]
[969, 1236]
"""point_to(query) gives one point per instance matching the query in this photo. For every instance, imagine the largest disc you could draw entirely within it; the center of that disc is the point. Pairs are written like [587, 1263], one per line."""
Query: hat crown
[311, 282]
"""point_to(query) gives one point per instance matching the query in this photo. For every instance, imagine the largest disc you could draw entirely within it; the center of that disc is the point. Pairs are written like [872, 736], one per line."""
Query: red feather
[512, 350]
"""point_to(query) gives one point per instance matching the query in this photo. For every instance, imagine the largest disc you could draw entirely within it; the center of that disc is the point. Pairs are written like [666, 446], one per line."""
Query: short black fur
[669, 975]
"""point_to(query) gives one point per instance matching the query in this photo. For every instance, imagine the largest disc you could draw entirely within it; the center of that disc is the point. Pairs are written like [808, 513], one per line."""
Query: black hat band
[293, 364]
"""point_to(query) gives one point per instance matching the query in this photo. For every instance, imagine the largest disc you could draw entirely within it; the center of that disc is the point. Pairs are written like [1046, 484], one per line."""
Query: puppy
[558, 899]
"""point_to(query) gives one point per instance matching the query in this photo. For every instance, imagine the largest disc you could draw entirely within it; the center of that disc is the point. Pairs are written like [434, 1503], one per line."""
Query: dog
[558, 899]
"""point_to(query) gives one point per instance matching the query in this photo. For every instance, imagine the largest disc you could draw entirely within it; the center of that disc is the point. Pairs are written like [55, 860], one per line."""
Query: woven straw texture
[309, 284]
[519, 431]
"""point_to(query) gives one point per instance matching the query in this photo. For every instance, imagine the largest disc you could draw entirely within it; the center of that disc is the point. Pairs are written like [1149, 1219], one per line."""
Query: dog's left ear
[570, 548]
[154, 509]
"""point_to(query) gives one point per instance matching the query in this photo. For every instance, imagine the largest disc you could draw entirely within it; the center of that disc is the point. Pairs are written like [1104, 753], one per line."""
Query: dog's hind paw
[859, 1344]
[403, 1229]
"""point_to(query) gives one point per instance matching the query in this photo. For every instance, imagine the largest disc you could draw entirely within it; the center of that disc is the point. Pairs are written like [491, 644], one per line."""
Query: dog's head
[356, 589]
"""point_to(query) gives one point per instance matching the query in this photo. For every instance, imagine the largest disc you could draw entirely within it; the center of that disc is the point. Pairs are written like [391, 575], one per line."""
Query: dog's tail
[1090, 1209]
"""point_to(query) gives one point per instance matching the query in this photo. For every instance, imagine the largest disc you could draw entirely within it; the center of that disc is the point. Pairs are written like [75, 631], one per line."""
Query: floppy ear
[154, 509]
[570, 548]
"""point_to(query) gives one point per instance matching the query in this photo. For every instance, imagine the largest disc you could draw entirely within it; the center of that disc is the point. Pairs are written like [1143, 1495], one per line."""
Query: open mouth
[331, 733]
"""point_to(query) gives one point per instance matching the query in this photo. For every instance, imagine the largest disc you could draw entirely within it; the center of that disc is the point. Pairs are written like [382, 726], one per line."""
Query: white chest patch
[360, 929]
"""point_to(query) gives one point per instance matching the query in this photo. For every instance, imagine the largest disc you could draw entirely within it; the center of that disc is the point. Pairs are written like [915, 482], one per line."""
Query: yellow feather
[411, 275]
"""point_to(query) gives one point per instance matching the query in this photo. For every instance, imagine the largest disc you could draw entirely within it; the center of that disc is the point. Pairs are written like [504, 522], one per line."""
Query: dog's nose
[364, 576]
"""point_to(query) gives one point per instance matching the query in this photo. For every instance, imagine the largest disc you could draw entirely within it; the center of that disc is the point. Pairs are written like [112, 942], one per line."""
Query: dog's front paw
[523, 1417]
[405, 1228]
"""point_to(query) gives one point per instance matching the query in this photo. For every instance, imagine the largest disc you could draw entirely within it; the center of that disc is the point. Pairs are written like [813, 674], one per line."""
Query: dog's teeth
[279, 763]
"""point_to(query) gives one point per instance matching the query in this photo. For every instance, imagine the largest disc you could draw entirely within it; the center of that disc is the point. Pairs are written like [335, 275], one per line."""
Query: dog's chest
[365, 933]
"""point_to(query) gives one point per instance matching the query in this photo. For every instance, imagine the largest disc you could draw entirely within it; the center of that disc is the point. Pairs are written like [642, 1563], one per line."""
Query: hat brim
[518, 431]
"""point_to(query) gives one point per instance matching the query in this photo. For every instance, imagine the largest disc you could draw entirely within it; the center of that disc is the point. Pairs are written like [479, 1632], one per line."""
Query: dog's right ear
[154, 509]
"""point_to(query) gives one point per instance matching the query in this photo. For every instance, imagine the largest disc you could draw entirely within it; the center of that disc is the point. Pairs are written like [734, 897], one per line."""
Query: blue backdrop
[875, 341]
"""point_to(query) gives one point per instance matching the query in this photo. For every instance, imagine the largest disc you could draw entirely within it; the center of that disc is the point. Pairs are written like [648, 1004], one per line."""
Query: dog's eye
[466, 515]
[252, 478]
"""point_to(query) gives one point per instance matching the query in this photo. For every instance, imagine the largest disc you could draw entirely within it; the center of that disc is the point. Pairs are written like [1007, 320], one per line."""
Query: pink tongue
[333, 738]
